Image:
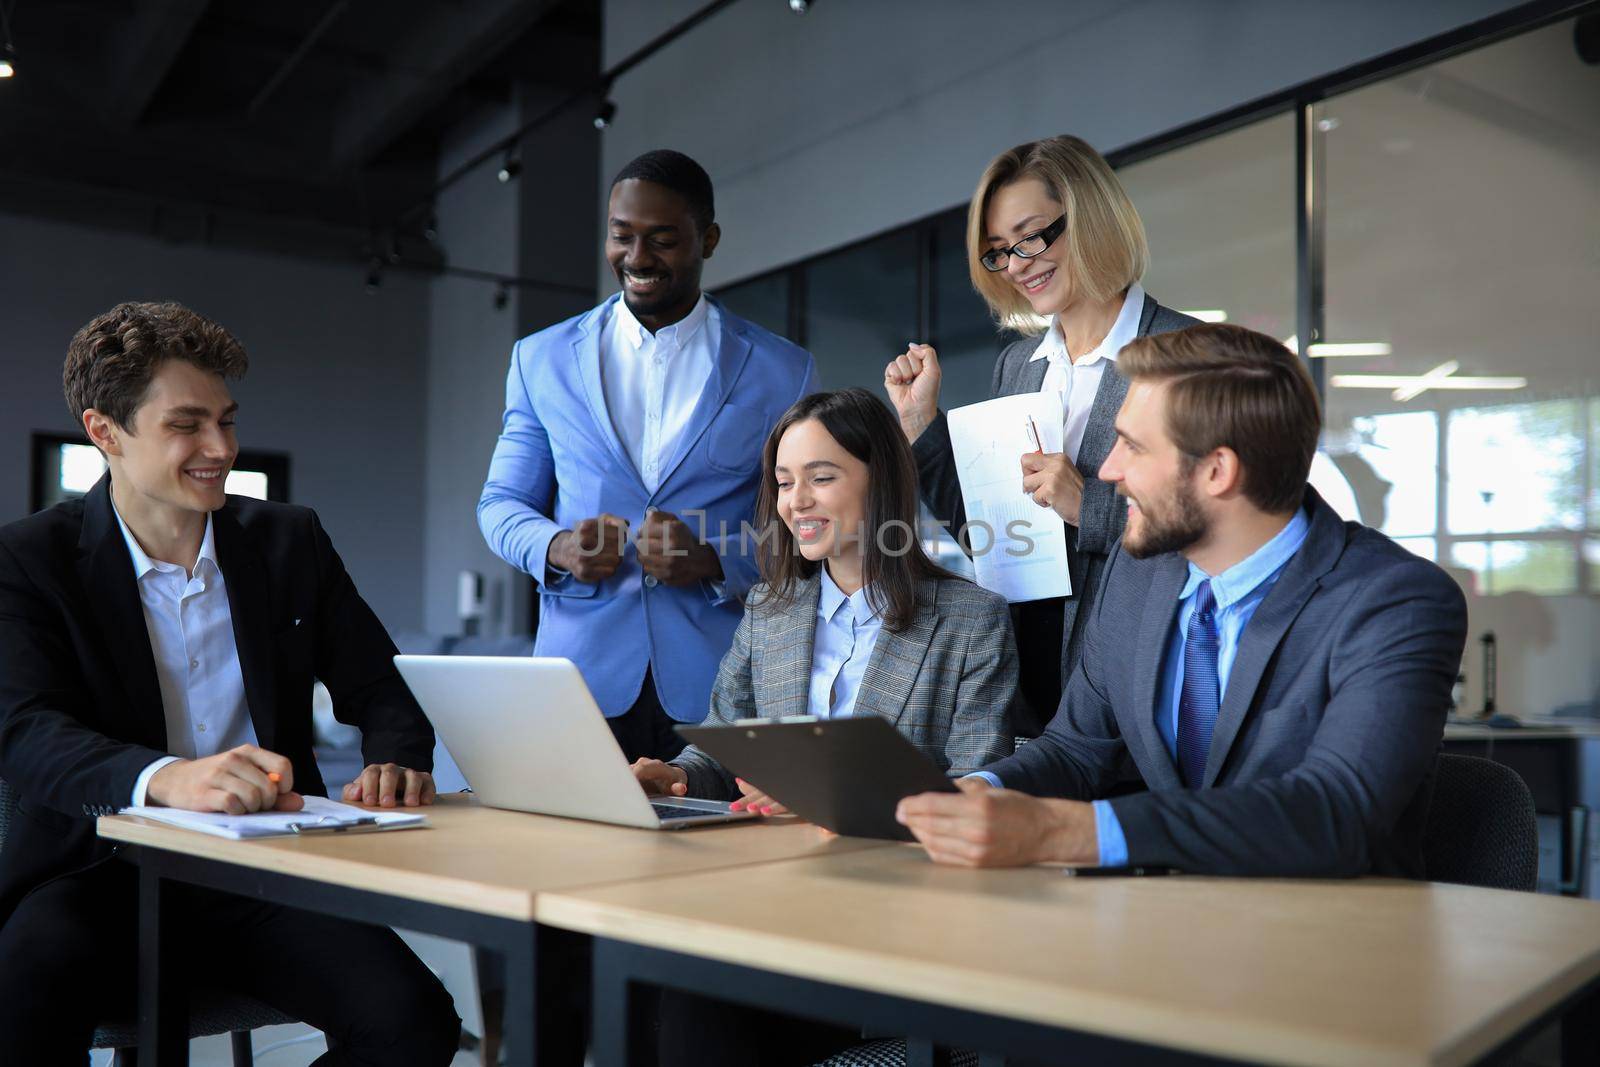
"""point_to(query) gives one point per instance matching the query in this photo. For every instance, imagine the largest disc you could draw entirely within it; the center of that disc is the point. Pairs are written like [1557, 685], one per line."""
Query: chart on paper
[1019, 549]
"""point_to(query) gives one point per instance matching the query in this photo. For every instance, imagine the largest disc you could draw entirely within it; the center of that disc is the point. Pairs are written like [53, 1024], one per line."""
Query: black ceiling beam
[441, 53]
[159, 30]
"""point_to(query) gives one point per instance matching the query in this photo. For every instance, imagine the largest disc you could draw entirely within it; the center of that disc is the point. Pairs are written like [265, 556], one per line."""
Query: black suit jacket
[80, 706]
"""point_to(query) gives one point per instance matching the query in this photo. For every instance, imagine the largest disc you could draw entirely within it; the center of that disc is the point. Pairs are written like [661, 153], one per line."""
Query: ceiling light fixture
[1206, 314]
[510, 167]
[1409, 386]
[8, 48]
[799, 7]
[604, 114]
[1326, 349]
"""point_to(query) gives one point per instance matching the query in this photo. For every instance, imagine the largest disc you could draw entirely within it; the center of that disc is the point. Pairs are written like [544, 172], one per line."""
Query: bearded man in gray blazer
[1279, 678]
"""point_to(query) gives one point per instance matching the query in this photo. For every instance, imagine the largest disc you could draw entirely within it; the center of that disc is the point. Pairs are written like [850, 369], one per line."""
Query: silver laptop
[528, 736]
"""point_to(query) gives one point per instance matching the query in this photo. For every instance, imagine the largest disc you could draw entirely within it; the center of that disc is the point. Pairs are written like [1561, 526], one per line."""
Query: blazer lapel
[1101, 433]
[586, 349]
[896, 660]
[786, 667]
[1266, 629]
[105, 571]
[733, 350]
[1030, 375]
[1155, 763]
[250, 603]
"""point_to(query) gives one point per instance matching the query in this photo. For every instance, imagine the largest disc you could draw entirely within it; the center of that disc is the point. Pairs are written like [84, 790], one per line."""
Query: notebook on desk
[320, 815]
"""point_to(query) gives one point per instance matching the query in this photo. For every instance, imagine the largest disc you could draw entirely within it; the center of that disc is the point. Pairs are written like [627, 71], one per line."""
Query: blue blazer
[559, 461]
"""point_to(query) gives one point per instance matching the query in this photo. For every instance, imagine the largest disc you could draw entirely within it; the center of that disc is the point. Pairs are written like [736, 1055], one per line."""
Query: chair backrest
[1481, 829]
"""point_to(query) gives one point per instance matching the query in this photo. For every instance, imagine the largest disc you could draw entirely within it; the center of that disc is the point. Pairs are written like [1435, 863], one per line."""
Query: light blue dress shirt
[1239, 590]
[847, 628]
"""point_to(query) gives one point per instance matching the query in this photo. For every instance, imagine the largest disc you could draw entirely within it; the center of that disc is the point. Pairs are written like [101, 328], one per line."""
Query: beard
[1176, 524]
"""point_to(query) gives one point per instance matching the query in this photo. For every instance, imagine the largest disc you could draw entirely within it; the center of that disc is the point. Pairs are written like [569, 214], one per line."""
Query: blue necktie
[1197, 704]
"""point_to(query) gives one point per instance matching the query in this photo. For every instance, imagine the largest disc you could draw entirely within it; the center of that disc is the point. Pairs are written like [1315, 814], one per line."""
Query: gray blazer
[1103, 515]
[1324, 745]
[947, 682]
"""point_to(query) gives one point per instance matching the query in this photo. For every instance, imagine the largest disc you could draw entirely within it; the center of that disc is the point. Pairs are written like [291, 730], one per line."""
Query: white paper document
[320, 814]
[1020, 548]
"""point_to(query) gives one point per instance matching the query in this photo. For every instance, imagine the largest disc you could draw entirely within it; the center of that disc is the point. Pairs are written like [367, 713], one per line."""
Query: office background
[1418, 179]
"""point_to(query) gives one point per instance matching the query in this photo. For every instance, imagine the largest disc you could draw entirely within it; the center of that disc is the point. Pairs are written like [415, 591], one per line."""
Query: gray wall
[858, 117]
[541, 227]
[335, 376]
[468, 346]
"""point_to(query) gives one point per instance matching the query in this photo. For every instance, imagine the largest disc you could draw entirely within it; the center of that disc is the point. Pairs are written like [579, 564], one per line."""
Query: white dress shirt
[652, 382]
[847, 631]
[190, 624]
[1078, 381]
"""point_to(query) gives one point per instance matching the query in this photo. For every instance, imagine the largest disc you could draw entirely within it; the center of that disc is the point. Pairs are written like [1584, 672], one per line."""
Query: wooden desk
[1103, 970]
[474, 874]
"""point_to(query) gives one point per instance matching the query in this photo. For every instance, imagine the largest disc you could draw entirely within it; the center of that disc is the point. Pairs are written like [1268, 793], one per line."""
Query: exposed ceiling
[303, 125]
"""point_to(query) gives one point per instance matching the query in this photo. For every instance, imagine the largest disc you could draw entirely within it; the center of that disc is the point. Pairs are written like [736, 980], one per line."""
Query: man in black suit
[158, 644]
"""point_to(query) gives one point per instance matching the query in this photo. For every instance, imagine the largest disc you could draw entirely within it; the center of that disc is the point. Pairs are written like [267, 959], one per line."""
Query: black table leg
[621, 1033]
[163, 992]
[920, 1052]
[1580, 1031]
[521, 1029]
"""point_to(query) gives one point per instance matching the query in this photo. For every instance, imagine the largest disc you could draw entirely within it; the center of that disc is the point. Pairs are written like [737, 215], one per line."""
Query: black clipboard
[846, 775]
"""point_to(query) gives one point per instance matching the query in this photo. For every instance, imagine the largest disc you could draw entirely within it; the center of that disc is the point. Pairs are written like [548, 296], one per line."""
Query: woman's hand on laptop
[660, 779]
[755, 800]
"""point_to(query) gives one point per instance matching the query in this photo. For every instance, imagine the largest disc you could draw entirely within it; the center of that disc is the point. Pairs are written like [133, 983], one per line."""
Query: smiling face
[177, 454]
[1015, 210]
[822, 493]
[656, 251]
[1155, 477]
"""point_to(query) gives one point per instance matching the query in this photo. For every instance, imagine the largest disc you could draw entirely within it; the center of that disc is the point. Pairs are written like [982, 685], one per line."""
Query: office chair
[209, 1013]
[890, 1052]
[1480, 828]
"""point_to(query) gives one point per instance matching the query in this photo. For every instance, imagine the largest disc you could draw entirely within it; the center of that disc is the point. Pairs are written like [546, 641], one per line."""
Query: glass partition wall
[1435, 235]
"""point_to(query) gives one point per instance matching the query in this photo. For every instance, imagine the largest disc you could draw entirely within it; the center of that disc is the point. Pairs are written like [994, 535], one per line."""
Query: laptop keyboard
[668, 811]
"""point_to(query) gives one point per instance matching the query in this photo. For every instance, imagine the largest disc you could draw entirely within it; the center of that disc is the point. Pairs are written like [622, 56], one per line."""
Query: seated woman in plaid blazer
[852, 617]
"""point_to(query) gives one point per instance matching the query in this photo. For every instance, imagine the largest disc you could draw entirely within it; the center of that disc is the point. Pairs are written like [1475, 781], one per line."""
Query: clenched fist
[671, 553]
[912, 382]
[590, 551]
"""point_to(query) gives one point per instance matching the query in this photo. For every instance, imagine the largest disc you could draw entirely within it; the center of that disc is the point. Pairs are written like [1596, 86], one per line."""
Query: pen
[1119, 872]
[1033, 435]
[313, 828]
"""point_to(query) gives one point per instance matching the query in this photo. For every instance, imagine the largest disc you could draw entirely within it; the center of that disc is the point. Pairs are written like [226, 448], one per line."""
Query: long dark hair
[866, 428]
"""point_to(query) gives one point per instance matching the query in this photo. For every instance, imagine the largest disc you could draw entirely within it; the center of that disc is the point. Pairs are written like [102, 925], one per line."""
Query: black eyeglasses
[1030, 246]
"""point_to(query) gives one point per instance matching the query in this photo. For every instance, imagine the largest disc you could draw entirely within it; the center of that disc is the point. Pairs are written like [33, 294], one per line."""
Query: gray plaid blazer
[948, 681]
[1101, 518]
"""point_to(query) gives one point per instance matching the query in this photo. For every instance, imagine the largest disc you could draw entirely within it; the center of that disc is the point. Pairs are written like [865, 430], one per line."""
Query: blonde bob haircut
[1105, 243]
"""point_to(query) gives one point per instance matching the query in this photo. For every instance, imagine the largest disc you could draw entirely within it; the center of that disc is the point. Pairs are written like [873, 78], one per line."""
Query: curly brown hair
[111, 360]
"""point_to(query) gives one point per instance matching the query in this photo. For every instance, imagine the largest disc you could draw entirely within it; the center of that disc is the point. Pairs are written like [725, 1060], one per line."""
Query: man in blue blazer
[626, 471]
[1278, 677]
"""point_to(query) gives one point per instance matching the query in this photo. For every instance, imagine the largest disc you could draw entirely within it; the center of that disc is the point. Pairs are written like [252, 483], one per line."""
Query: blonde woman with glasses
[1056, 249]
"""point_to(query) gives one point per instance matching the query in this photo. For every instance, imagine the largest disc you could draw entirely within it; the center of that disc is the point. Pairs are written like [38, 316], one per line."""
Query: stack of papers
[320, 814]
[1019, 549]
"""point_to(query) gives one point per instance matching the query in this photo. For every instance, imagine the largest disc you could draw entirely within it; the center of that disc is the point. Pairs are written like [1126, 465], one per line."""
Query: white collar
[1125, 329]
[143, 564]
[677, 335]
